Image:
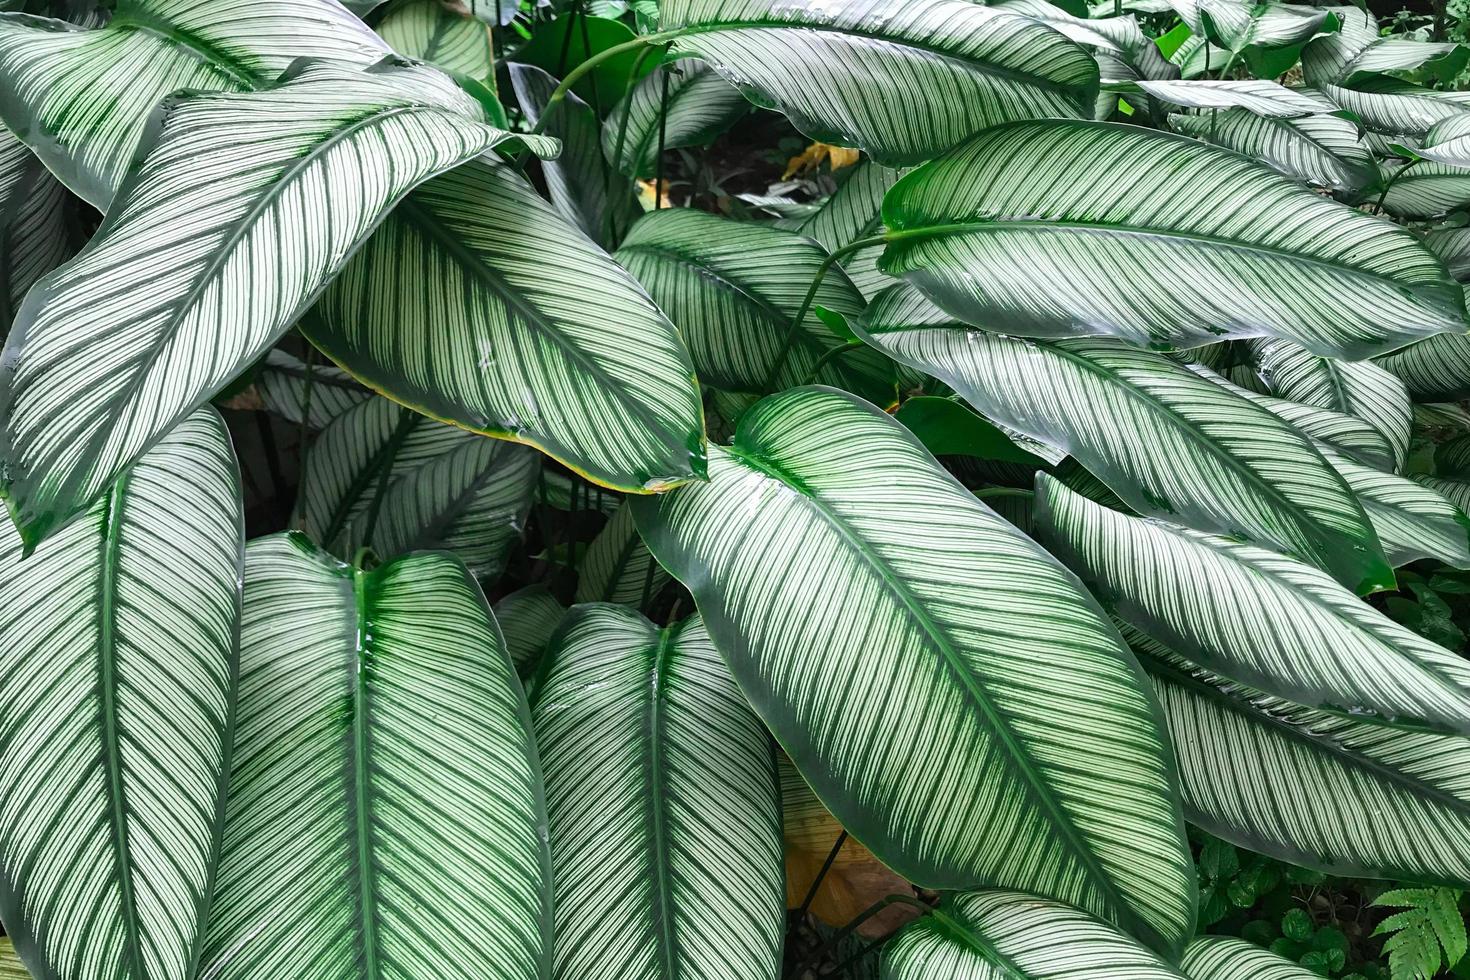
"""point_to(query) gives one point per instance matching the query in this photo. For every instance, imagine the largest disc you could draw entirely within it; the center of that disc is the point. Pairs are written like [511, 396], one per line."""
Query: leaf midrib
[656, 796]
[361, 668]
[213, 57]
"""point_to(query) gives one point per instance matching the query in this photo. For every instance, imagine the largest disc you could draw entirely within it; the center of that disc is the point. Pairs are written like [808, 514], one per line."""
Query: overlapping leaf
[318, 392]
[528, 617]
[700, 105]
[1436, 369]
[854, 211]
[1323, 150]
[1413, 521]
[1228, 958]
[1261, 97]
[34, 233]
[618, 567]
[429, 30]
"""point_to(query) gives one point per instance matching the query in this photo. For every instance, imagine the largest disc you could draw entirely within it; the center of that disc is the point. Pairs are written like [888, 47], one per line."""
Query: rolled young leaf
[1253, 254]
[1325, 151]
[901, 596]
[1228, 958]
[118, 643]
[1255, 616]
[700, 106]
[245, 208]
[1170, 443]
[663, 805]
[385, 809]
[961, 66]
[458, 308]
[34, 233]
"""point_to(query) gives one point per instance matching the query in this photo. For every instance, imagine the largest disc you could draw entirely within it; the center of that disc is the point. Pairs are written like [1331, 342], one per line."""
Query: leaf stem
[829, 357]
[1388, 184]
[559, 94]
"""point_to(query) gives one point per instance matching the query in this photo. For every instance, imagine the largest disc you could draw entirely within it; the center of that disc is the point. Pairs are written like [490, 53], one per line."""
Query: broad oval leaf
[1323, 150]
[1395, 108]
[244, 209]
[429, 30]
[982, 231]
[118, 643]
[81, 98]
[1256, 616]
[959, 66]
[1360, 49]
[662, 797]
[34, 233]
[1228, 958]
[699, 106]
[1413, 521]
[295, 389]
[901, 597]
[1167, 441]
[988, 935]
[1436, 369]
[458, 308]
[734, 288]
[381, 735]
[618, 566]
[528, 617]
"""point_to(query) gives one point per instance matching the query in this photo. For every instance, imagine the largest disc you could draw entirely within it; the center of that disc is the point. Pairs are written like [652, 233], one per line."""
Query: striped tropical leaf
[1169, 442]
[1261, 97]
[1228, 958]
[1288, 781]
[992, 934]
[1456, 491]
[35, 236]
[11, 968]
[1322, 150]
[963, 67]
[1436, 369]
[395, 481]
[882, 554]
[246, 206]
[1357, 388]
[735, 287]
[1394, 108]
[381, 736]
[665, 815]
[700, 106]
[428, 30]
[1256, 253]
[1426, 190]
[583, 188]
[1452, 245]
[1412, 521]
[82, 98]
[118, 642]
[1359, 49]
[528, 617]
[1255, 616]
[318, 392]
[1122, 50]
[1452, 458]
[458, 308]
[855, 211]
[1236, 25]
[618, 566]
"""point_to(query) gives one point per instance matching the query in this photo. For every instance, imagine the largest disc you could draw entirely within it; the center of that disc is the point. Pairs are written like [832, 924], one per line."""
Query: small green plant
[1428, 932]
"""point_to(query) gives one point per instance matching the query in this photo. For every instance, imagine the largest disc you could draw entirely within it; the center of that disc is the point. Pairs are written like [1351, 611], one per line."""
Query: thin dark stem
[837, 937]
[272, 458]
[811, 893]
[647, 585]
[663, 125]
[303, 433]
[831, 356]
[1388, 184]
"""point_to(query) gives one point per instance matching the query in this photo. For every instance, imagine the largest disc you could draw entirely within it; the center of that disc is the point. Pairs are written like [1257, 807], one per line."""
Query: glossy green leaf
[1228, 958]
[1167, 441]
[459, 308]
[882, 554]
[1255, 616]
[618, 567]
[700, 106]
[1323, 150]
[663, 803]
[1022, 229]
[559, 44]
[35, 236]
[947, 428]
[429, 30]
[385, 813]
[528, 617]
[118, 642]
[320, 391]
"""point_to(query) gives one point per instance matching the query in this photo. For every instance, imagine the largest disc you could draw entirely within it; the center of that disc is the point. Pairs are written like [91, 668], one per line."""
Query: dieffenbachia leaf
[1358, 388]
[1228, 958]
[82, 98]
[700, 106]
[1261, 97]
[855, 211]
[528, 617]
[1412, 521]
[1305, 637]
[1323, 150]
[981, 230]
[991, 934]
[429, 30]
[1436, 369]
[960, 67]
[118, 642]
[34, 233]
[383, 477]
[320, 392]
[246, 206]
[458, 308]
[1288, 781]
[662, 797]
[1169, 442]
[735, 287]
[884, 554]
[618, 567]
[385, 813]
[1359, 49]
[583, 188]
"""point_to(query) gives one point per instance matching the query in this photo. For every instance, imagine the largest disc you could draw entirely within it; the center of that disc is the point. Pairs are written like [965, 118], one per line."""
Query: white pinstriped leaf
[1452, 458]
[527, 618]
[1238, 24]
[663, 804]
[1022, 229]
[1166, 440]
[11, 968]
[1123, 51]
[1354, 387]
[430, 31]
[959, 66]
[1261, 97]
[1322, 150]
[245, 207]
[733, 288]
[436, 486]
[1228, 958]
[852, 212]
[118, 642]
[1426, 190]
[701, 105]
[1394, 108]
[1452, 245]
[1436, 369]
[1413, 521]
[1318, 790]
[284, 382]
[1255, 616]
[1358, 49]
[1447, 142]
[618, 566]
[604, 204]
[856, 588]
[34, 234]
[459, 308]
[993, 935]
[385, 816]
[81, 98]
